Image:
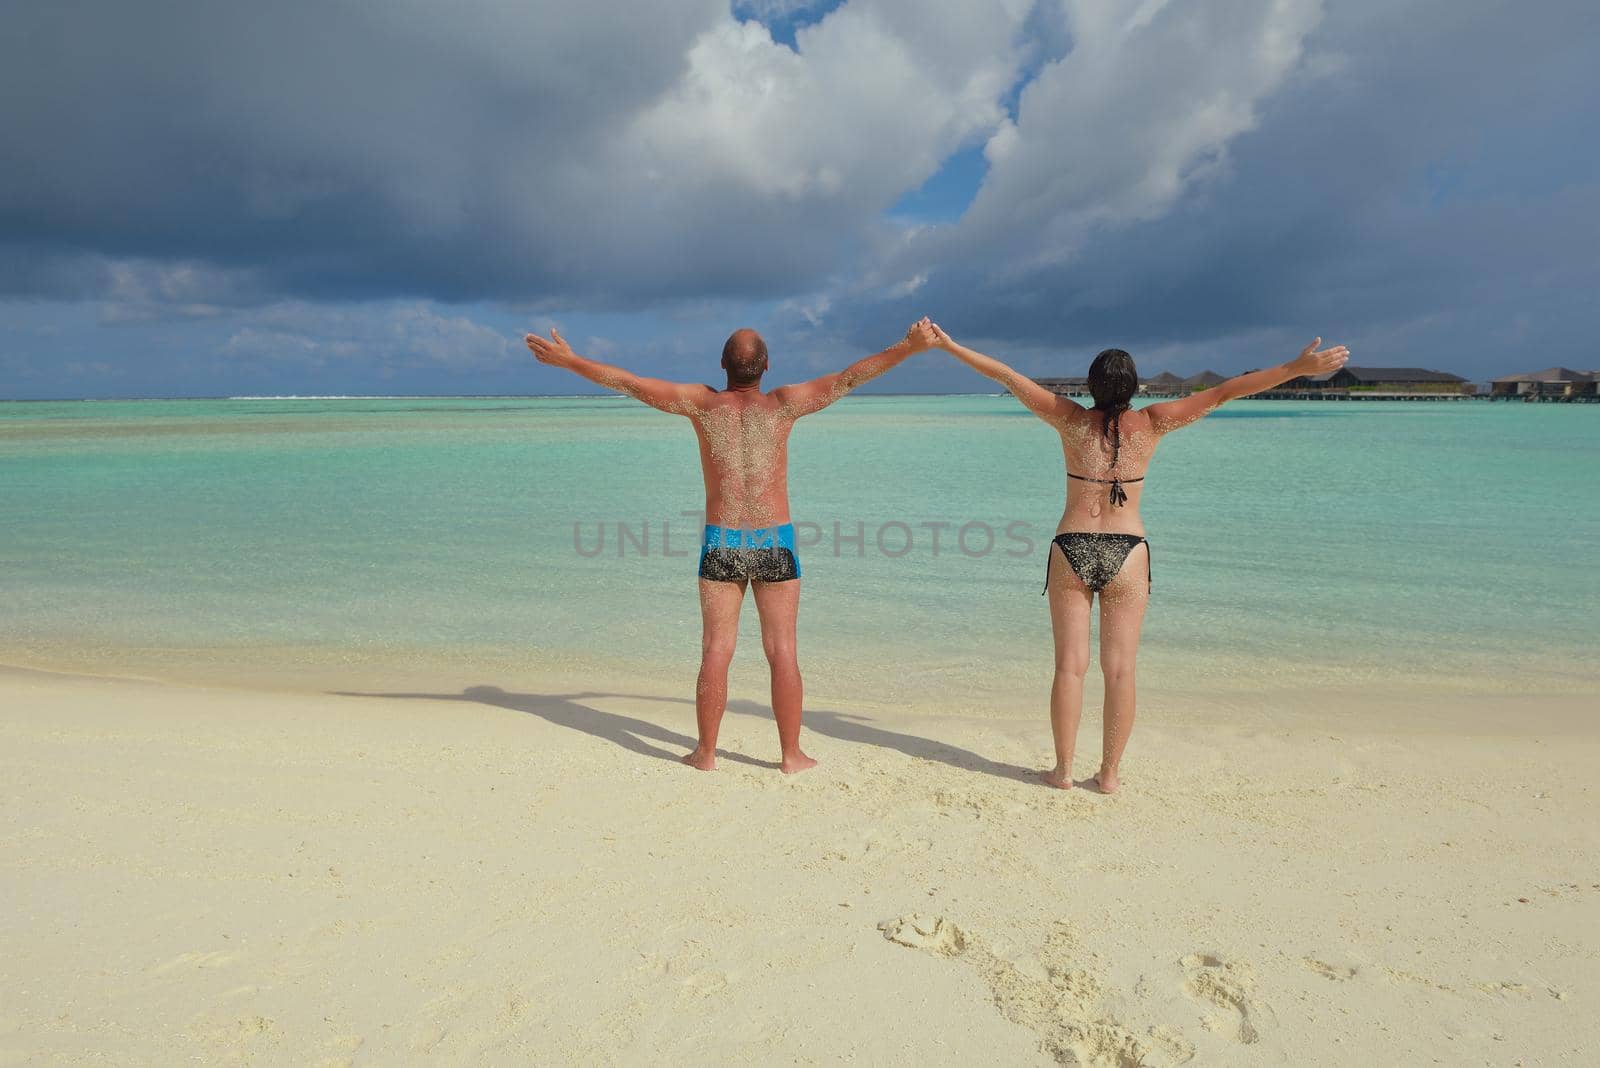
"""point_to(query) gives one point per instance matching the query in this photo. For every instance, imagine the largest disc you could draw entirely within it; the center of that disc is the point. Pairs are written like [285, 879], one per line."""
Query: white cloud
[1142, 108]
[879, 93]
[409, 335]
[909, 286]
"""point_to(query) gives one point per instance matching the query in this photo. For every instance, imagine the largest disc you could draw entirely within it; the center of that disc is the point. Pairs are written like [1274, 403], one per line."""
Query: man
[749, 540]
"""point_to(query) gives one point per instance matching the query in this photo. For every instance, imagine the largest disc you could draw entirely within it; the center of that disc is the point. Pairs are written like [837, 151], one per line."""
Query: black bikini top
[1119, 496]
[1113, 431]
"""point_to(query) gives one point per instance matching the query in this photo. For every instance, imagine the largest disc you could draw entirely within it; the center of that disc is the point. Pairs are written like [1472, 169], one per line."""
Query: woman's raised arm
[1170, 415]
[1043, 403]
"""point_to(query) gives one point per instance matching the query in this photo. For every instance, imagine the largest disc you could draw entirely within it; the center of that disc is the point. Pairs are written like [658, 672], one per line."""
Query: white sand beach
[209, 875]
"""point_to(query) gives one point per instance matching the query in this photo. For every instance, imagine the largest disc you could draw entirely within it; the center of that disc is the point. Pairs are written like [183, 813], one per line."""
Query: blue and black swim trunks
[765, 554]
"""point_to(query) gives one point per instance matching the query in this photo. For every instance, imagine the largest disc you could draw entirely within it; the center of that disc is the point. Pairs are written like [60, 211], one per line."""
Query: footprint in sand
[1063, 1005]
[1228, 986]
[704, 985]
[197, 959]
[232, 1034]
[1505, 987]
[935, 935]
[1336, 972]
[425, 1040]
[343, 1050]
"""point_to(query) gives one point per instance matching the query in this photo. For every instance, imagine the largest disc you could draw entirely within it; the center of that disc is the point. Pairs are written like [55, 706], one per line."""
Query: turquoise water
[1294, 544]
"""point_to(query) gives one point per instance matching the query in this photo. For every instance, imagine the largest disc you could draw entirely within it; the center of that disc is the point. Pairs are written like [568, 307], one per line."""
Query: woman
[1100, 546]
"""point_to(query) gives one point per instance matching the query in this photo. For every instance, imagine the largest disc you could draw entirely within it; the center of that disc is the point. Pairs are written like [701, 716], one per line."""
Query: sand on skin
[237, 876]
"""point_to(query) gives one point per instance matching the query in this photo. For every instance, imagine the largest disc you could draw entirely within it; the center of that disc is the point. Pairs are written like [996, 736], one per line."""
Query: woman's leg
[1070, 601]
[1122, 605]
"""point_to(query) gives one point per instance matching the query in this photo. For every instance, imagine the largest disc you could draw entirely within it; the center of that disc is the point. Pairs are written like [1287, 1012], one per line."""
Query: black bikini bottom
[1097, 557]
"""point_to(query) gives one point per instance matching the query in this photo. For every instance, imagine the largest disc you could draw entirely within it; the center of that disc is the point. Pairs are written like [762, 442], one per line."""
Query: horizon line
[423, 396]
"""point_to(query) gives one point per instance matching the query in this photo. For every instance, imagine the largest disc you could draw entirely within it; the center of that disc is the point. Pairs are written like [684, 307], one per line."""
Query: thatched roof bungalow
[1164, 383]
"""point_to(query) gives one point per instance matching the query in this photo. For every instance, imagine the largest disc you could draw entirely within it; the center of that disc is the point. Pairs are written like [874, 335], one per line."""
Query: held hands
[555, 351]
[921, 337]
[1317, 363]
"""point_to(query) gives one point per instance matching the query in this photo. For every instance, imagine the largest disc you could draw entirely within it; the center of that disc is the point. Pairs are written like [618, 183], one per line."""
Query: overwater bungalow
[1551, 384]
[1066, 387]
[1165, 384]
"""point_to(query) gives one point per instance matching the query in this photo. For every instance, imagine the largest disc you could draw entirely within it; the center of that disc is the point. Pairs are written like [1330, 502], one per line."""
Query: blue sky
[203, 199]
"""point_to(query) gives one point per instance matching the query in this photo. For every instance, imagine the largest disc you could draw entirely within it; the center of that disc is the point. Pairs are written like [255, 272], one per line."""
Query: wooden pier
[1361, 395]
[1545, 398]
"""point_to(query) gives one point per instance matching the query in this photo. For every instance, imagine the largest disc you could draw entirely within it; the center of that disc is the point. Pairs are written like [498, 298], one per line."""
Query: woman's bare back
[1103, 461]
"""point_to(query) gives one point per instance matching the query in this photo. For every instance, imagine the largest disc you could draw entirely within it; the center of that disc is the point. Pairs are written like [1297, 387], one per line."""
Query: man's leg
[719, 630]
[779, 606]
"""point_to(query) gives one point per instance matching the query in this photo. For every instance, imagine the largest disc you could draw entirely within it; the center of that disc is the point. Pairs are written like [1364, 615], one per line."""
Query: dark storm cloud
[1431, 190]
[607, 154]
[347, 149]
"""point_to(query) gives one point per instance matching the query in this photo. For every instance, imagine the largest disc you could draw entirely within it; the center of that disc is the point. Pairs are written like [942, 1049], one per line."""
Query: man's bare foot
[1106, 782]
[702, 760]
[796, 762]
[1054, 777]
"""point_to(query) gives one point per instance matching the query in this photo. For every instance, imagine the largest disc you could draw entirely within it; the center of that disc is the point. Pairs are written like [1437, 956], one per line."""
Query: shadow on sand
[640, 735]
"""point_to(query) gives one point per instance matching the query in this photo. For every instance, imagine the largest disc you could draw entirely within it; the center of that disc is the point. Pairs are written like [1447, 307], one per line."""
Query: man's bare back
[744, 457]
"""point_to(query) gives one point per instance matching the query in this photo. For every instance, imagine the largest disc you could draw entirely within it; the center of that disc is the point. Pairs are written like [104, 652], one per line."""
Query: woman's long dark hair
[1113, 380]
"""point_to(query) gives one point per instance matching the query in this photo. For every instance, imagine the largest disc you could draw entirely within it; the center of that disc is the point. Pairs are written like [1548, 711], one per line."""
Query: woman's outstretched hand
[941, 340]
[1318, 362]
[554, 351]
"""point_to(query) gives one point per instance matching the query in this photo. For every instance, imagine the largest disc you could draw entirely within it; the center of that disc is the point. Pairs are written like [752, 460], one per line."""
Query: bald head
[744, 357]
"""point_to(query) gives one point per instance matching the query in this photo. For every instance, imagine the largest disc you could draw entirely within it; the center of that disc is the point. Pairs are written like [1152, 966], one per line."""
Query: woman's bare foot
[796, 762]
[702, 760]
[1055, 777]
[1107, 781]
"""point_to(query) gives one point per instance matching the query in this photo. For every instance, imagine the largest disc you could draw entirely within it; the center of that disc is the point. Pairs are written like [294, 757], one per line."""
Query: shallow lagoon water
[1294, 544]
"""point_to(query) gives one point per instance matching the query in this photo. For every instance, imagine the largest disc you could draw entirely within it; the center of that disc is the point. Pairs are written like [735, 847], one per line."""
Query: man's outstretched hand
[1316, 363]
[922, 336]
[555, 351]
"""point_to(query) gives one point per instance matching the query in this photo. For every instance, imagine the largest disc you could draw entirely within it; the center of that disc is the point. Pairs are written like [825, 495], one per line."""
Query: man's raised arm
[803, 398]
[674, 397]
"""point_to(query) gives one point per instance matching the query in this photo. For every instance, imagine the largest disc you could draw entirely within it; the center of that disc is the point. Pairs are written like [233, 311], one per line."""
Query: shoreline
[316, 671]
